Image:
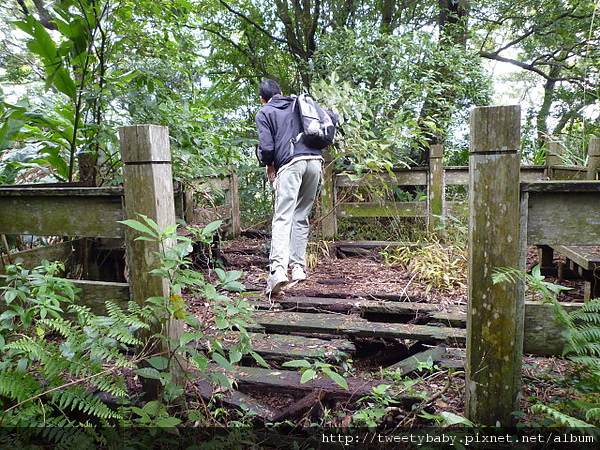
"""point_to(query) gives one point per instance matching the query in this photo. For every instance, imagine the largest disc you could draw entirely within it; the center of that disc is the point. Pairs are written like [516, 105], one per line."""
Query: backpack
[318, 124]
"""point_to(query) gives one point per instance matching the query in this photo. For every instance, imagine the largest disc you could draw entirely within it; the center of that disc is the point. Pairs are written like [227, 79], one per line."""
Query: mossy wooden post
[436, 186]
[495, 311]
[233, 200]
[553, 158]
[148, 190]
[593, 159]
[328, 212]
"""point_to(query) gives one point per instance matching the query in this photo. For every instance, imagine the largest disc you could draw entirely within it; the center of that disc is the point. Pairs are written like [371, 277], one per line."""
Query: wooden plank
[316, 304]
[593, 159]
[279, 322]
[547, 222]
[62, 251]
[388, 209]
[270, 380]
[454, 175]
[210, 184]
[243, 402]
[91, 212]
[148, 191]
[587, 257]
[282, 347]
[400, 177]
[95, 294]
[436, 188]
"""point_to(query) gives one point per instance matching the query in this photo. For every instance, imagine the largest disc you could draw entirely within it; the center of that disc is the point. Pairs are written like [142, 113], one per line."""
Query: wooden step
[269, 380]
[279, 347]
[346, 325]
[391, 310]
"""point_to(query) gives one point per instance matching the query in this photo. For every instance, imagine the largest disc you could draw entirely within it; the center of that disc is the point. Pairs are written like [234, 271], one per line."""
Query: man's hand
[271, 173]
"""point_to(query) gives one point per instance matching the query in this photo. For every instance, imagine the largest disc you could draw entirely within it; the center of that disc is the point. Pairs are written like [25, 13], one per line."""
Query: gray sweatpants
[296, 186]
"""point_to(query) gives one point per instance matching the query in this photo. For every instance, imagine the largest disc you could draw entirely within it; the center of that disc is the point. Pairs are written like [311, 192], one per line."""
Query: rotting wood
[304, 407]
[593, 159]
[495, 312]
[386, 209]
[279, 347]
[415, 361]
[239, 400]
[148, 191]
[62, 251]
[280, 322]
[585, 261]
[89, 212]
[270, 380]
[436, 188]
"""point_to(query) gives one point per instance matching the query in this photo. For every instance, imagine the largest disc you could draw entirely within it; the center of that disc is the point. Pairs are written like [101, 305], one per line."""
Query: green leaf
[201, 362]
[308, 375]
[221, 379]
[454, 419]
[222, 361]
[168, 422]
[158, 362]
[212, 227]
[148, 372]
[138, 226]
[340, 380]
[296, 363]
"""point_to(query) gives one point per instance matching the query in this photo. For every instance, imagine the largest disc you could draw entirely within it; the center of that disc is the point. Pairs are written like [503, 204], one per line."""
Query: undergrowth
[581, 333]
[64, 369]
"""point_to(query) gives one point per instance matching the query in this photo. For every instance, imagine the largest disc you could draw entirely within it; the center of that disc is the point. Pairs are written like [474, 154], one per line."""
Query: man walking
[295, 171]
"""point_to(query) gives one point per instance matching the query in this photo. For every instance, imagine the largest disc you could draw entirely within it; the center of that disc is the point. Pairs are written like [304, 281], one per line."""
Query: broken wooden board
[415, 361]
[278, 347]
[393, 311]
[238, 400]
[271, 380]
[285, 322]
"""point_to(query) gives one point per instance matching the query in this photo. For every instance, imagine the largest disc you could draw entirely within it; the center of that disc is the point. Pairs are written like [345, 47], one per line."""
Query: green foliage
[440, 266]
[582, 346]
[316, 369]
[53, 368]
[374, 409]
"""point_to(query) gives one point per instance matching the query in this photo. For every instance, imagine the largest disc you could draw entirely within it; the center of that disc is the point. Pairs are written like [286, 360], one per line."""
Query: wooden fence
[434, 180]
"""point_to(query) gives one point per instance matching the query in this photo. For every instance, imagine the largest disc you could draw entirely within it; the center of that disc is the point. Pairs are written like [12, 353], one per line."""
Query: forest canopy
[401, 74]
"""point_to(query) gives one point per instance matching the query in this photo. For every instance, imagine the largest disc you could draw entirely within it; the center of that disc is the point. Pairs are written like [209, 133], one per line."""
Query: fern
[563, 419]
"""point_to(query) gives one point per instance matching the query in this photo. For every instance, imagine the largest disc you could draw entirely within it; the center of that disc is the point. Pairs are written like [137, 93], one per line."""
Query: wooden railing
[435, 180]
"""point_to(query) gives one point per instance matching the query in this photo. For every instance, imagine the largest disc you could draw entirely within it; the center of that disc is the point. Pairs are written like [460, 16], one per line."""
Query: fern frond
[560, 418]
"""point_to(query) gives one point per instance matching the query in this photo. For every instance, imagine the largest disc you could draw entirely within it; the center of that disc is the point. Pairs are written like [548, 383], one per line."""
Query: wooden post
[593, 159]
[148, 190]
[553, 158]
[328, 210]
[233, 199]
[436, 186]
[495, 311]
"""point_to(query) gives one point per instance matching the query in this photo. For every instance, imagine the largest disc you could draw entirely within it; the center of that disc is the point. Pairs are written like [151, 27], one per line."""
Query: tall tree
[557, 42]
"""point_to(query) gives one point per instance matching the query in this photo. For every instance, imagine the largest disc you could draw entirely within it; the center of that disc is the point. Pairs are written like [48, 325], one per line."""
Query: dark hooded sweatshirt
[279, 125]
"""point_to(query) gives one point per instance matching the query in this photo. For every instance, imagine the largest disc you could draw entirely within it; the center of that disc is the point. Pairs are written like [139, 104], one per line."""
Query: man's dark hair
[268, 88]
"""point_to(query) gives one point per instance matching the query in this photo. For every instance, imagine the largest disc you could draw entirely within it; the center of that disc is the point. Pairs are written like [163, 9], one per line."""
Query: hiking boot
[276, 281]
[298, 273]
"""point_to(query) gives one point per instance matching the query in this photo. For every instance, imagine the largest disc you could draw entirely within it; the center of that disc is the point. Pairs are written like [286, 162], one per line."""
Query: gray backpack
[318, 124]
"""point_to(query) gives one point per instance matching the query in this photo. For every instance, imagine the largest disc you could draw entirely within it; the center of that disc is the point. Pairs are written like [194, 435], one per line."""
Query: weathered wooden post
[148, 190]
[328, 213]
[553, 158]
[593, 159]
[233, 200]
[495, 311]
[436, 186]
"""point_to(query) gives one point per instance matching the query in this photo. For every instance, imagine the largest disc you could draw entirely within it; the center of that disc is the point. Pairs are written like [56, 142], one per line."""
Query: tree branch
[251, 22]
